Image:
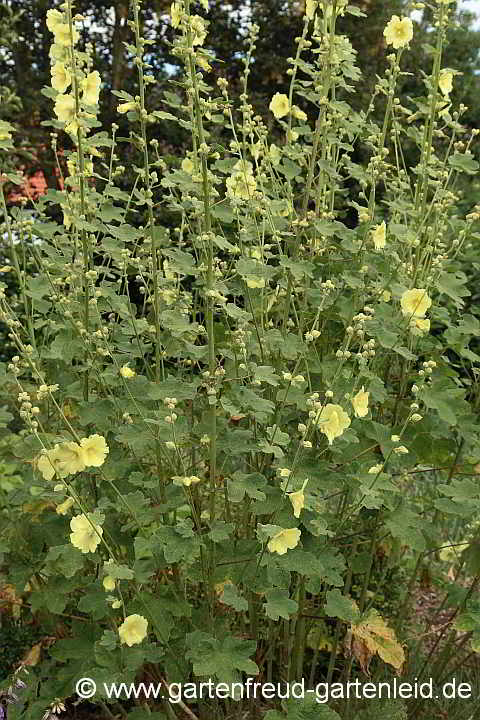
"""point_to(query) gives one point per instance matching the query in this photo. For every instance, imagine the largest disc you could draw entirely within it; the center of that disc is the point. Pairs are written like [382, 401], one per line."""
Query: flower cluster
[69, 458]
[66, 107]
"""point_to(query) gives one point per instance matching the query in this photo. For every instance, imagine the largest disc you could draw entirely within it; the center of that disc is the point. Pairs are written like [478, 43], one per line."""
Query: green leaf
[222, 659]
[230, 596]
[340, 606]
[279, 605]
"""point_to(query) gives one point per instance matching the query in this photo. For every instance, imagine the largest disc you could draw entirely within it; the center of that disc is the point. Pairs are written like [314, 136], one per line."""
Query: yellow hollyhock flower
[126, 107]
[187, 166]
[186, 480]
[91, 88]
[297, 499]
[310, 7]
[415, 302]
[61, 78]
[109, 583]
[386, 296]
[398, 32]
[65, 108]
[127, 372]
[54, 19]
[176, 14]
[298, 113]
[46, 464]
[241, 185]
[284, 540]
[420, 326]
[254, 282]
[62, 35]
[58, 53]
[279, 105]
[379, 236]
[360, 403]
[275, 154]
[133, 630]
[198, 29]
[85, 535]
[64, 507]
[94, 450]
[69, 459]
[445, 82]
[333, 421]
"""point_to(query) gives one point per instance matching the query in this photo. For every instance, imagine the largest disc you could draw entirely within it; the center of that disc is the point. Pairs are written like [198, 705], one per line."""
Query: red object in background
[35, 185]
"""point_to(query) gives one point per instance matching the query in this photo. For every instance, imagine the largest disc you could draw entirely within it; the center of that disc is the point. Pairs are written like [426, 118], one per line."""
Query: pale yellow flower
[67, 218]
[241, 185]
[297, 499]
[62, 35]
[274, 153]
[420, 326]
[133, 630]
[360, 403]
[310, 8]
[69, 459]
[85, 535]
[72, 127]
[109, 583]
[398, 32]
[445, 82]
[415, 302]
[284, 540]
[176, 14]
[333, 421]
[298, 113]
[187, 166]
[186, 480]
[253, 281]
[61, 78]
[54, 19]
[58, 53]
[126, 107]
[279, 105]
[386, 296]
[379, 236]
[64, 507]
[46, 464]
[65, 108]
[127, 372]
[197, 25]
[91, 88]
[94, 450]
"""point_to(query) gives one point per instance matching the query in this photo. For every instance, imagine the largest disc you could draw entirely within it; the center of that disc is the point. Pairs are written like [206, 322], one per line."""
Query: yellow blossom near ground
[61, 78]
[420, 326]
[274, 153]
[333, 421]
[65, 108]
[186, 480]
[379, 236]
[284, 540]
[91, 88]
[445, 82]
[415, 302]
[360, 402]
[94, 450]
[254, 282]
[398, 32]
[133, 630]
[279, 105]
[85, 535]
[127, 372]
